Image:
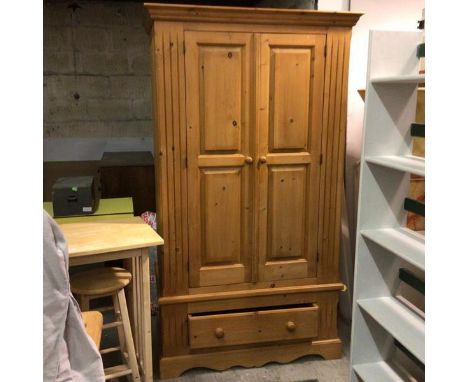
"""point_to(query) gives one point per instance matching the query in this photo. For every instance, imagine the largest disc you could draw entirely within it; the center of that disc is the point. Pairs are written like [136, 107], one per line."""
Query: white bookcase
[384, 245]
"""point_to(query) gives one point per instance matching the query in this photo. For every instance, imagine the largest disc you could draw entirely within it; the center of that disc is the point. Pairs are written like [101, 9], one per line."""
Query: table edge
[113, 249]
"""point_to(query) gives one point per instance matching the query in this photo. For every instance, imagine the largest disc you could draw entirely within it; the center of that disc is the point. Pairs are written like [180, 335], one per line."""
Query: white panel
[407, 163]
[383, 243]
[377, 371]
[408, 245]
[333, 5]
[399, 321]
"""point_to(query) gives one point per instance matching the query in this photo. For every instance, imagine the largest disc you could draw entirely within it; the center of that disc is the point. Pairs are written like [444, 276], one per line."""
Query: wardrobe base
[172, 367]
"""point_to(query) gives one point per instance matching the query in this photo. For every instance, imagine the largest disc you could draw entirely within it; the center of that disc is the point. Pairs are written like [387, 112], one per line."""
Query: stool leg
[132, 360]
[120, 330]
[84, 303]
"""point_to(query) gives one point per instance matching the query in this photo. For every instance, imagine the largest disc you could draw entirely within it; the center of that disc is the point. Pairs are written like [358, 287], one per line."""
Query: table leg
[139, 318]
[147, 355]
[139, 305]
[130, 265]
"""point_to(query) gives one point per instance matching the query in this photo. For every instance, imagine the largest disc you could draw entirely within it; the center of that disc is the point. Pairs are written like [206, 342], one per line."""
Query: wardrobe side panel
[170, 151]
[333, 150]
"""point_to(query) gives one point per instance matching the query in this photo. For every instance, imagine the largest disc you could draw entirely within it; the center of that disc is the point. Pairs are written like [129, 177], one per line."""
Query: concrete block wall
[97, 70]
[97, 76]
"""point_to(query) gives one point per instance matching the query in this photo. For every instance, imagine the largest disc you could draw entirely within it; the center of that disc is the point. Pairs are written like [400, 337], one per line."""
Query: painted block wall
[97, 77]
[96, 70]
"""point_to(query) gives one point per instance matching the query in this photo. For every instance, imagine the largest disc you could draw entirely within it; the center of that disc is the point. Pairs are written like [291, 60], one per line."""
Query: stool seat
[100, 281]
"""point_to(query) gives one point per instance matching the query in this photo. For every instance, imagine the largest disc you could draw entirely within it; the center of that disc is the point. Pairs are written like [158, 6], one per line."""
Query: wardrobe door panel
[218, 77]
[221, 197]
[287, 199]
[290, 97]
[221, 98]
[289, 91]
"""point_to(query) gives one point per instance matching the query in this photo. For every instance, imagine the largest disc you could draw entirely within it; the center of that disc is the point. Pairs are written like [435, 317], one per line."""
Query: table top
[96, 237]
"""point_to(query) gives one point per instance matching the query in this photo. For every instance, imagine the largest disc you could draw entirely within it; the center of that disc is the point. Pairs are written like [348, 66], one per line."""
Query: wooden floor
[304, 369]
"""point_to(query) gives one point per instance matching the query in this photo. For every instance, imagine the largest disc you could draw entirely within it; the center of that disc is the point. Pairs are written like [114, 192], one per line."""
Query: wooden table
[128, 239]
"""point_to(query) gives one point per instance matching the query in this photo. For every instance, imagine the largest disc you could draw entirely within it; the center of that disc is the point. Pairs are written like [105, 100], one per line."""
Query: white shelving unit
[377, 371]
[407, 163]
[384, 244]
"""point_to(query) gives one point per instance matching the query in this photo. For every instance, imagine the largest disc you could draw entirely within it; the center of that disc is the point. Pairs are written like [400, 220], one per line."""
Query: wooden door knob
[219, 332]
[263, 159]
[291, 326]
[248, 159]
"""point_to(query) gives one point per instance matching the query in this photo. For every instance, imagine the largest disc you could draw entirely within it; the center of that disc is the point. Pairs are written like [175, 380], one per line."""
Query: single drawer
[257, 326]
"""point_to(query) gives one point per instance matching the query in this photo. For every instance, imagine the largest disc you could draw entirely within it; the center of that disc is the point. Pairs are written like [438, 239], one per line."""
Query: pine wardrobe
[250, 116]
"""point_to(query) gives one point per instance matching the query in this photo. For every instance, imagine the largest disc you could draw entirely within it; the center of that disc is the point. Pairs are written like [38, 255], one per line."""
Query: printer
[78, 195]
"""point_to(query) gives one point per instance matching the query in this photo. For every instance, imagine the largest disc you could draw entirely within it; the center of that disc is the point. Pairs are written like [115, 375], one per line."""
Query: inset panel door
[220, 164]
[290, 97]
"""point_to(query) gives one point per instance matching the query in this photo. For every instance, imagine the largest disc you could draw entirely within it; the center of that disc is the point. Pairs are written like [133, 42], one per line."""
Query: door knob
[219, 332]
[291, 326]
[263, 159]
[248, 159]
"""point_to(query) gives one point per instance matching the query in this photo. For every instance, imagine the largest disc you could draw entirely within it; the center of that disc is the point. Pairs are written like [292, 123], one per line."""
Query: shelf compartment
[401, 79]
[407, 163]
[404, 350]
[406, 244]
[418, 130]
[412, 280]
[399, 321]
[415, 206]
[377, 371]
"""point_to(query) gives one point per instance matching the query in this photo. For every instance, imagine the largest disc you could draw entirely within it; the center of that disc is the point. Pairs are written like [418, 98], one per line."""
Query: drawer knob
[219, 332]
[248, 159]
[291, 326]
[263, 159]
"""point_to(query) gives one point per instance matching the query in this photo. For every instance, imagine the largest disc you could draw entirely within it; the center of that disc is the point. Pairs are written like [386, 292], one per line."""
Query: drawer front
[253, 327]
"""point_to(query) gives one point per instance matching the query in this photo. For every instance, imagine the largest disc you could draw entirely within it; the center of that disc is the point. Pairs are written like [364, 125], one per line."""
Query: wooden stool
[93, 322]
[103, 282]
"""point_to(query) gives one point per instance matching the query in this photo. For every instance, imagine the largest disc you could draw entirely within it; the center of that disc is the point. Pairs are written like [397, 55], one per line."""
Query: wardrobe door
[218, 83]
[290, 98]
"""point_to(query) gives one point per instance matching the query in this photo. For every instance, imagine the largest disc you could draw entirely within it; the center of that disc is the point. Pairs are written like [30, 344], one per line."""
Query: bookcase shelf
[383, 243]
[403, 242]
[408, 163]
[402, 79]
[377, 371]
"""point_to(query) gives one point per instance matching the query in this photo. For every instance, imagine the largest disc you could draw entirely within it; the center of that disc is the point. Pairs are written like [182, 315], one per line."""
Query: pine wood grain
[93, 324]
[333, 141]
[171, 367]
[218, 72]
[99, 281]
[229, 329]
[290, 100]
[219, 14]
[250, 293]
[90, 238]
[250, 115]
